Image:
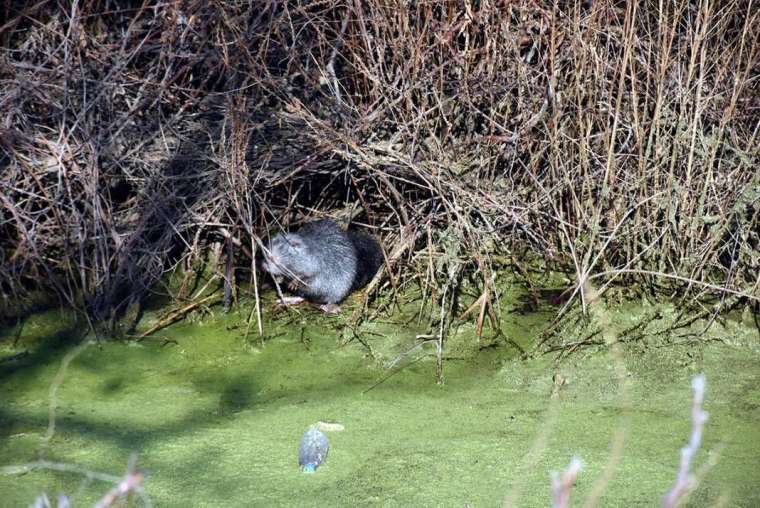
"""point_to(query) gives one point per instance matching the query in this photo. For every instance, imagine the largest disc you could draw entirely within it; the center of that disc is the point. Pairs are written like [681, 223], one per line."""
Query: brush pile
[619, 140]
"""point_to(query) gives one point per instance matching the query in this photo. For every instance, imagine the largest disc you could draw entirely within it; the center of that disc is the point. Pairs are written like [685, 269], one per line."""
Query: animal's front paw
[290, 300]
[330, 308]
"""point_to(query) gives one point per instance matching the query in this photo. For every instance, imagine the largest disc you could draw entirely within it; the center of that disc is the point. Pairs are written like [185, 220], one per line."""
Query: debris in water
[313, 450]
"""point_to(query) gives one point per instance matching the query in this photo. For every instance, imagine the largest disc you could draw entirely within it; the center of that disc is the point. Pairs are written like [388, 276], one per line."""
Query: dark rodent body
[369, 258]
[324, 262]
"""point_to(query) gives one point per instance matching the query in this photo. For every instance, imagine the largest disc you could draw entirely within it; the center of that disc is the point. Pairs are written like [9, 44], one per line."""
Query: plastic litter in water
[313, 450]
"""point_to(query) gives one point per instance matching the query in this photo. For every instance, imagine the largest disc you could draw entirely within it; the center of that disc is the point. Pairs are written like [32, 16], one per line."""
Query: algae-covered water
[216, 418]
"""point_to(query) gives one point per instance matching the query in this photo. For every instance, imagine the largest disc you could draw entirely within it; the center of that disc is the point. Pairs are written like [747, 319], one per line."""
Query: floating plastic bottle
[313, 450]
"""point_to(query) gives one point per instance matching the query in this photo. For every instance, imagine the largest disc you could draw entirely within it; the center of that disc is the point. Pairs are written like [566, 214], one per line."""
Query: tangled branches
[609, 139]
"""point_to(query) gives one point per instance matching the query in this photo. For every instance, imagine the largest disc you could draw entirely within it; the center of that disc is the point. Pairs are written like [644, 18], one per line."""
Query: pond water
[216, 419]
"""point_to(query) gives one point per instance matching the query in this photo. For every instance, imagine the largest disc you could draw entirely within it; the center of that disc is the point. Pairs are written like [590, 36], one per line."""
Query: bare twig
[684, 480]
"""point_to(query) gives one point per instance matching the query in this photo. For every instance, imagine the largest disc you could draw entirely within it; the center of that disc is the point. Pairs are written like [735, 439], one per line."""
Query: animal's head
[283, 253]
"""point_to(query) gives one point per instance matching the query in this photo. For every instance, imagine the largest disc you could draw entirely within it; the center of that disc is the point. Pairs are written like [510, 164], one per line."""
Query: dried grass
[616, 140]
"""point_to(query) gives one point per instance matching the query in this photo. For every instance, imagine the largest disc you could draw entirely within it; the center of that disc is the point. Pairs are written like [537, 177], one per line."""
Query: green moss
[216, 419]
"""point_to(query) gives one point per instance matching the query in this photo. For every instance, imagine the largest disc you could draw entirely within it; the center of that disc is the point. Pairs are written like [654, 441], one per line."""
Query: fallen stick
[174, 315]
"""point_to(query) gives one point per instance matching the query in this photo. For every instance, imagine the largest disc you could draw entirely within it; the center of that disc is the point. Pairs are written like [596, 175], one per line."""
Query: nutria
[323, 263]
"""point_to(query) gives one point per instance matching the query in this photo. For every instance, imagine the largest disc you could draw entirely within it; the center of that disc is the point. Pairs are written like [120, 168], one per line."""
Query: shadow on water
[44, 350]
[237, 395]
[129, 376]
[128, 438]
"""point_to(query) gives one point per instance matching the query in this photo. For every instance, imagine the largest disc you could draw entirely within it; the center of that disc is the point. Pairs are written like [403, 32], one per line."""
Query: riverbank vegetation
[144, 144]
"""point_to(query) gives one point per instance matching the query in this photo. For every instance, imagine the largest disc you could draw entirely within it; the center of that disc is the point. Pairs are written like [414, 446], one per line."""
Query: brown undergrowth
[619, 141]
